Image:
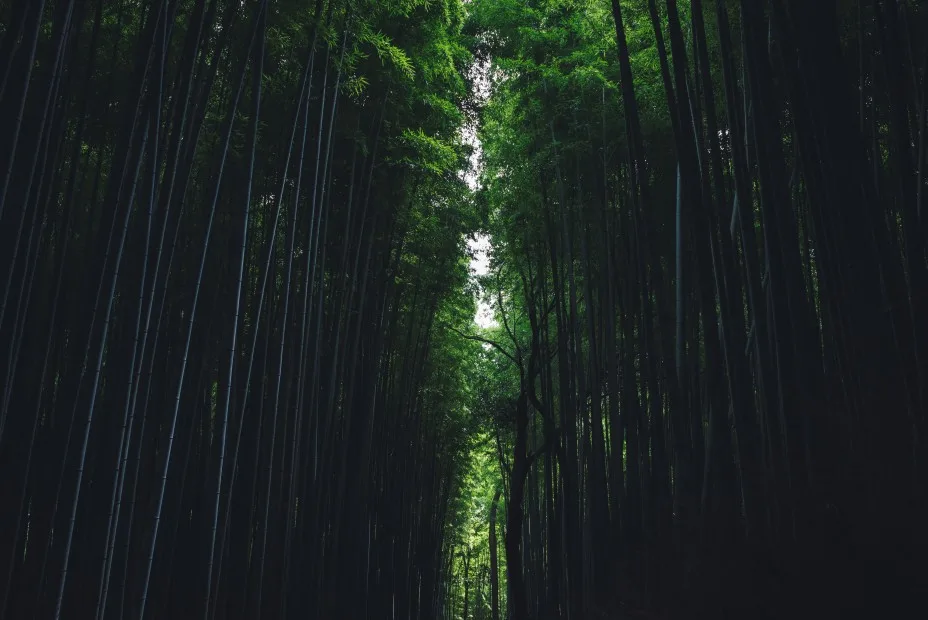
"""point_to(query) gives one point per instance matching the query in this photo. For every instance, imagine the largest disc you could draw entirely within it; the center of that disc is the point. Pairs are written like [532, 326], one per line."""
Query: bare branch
[492, 343]
[502, 311]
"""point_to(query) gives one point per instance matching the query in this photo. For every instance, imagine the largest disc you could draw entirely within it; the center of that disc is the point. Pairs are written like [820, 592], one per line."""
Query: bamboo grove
[229, 232]
[240, 374]
[708, 278]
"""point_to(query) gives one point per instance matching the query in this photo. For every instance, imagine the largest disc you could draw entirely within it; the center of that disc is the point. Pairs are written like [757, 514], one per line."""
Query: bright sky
[482, 245]
[479, 266]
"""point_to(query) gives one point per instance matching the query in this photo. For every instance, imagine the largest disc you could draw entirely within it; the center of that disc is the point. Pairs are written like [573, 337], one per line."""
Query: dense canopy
[463, 309]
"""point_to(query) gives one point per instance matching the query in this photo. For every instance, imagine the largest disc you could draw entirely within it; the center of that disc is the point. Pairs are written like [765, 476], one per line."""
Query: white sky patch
[482, 245]
[472, 174]
[480, 73]
[480, 266]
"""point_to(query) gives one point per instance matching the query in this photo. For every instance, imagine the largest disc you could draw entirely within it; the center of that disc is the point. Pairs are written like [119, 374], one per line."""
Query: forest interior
[463, 309]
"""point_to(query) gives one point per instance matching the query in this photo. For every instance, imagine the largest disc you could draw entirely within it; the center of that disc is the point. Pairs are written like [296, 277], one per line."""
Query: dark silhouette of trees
[709, 211]
[240, 374]
[228, 229]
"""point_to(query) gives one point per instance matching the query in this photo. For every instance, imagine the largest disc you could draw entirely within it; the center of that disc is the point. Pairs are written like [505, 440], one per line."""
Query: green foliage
[387, 52]
[428, 152]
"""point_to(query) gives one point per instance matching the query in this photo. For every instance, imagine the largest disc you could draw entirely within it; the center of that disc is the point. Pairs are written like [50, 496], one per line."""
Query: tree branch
[492, 343]
[549, 443]
[507, 470]
[502, 311]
